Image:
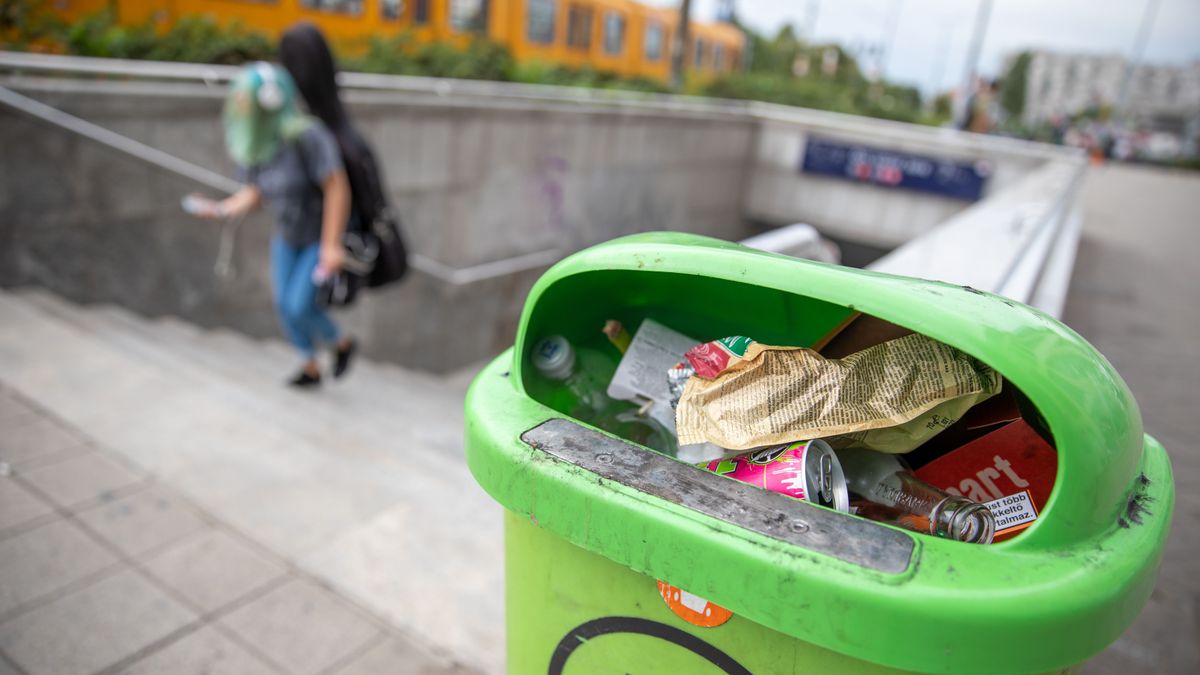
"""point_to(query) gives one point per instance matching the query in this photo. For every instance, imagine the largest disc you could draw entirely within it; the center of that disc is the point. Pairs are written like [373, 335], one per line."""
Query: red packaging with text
[1011, 470]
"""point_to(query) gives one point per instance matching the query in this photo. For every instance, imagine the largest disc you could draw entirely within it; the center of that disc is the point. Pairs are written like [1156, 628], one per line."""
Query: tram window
[391, 10]
[579, 27]
[653, 45]
[420, 11]
[468, 16]
[339, 6]
[539, 21]
[614, 33]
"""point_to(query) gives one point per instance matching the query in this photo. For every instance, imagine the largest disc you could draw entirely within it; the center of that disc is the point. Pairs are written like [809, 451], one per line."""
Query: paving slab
[92, 628]
[81, 479]
[45, 559]
[297, 513]
[18, 505]
[213, 569]
[302, 627]
[143, 521]
[396, 655]
[35, 439]
[433, 569]
[204, 652]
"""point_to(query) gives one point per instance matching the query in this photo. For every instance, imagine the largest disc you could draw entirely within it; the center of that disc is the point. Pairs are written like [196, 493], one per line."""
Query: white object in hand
[200, 206]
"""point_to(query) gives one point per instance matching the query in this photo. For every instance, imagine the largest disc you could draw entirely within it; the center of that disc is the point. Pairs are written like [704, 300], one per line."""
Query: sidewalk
[168, 498]
[104, 569]
[1133, 297]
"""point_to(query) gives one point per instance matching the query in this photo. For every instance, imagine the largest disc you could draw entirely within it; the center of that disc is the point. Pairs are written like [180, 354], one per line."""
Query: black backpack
[377, 226]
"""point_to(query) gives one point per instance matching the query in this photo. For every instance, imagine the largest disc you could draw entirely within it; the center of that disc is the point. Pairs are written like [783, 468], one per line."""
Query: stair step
[335, 418]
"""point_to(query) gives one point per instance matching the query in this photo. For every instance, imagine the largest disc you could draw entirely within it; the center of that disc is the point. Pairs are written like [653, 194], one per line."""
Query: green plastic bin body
[594, 520]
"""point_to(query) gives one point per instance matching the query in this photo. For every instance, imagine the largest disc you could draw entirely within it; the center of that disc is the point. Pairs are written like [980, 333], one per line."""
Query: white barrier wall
[778, 192]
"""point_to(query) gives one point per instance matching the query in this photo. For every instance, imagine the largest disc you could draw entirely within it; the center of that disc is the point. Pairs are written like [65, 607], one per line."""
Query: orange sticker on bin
[693, 608]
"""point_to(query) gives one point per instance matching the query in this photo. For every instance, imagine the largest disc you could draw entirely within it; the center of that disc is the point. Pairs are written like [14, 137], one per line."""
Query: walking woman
[306, 56]
[292, 162]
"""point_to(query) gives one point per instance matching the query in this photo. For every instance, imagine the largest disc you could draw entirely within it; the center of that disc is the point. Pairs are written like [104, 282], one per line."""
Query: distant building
[1160, 96]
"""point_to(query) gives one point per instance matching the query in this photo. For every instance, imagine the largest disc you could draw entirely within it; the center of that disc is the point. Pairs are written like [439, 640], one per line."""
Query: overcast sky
[931, 36]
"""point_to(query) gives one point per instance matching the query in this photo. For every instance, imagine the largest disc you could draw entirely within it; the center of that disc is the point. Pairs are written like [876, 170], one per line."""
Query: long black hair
[307, 57]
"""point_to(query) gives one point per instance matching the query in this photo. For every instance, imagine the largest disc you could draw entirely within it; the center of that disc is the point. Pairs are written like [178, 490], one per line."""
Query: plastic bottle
[197, 205]
[585, 375]
[890, 493]
[556, 360]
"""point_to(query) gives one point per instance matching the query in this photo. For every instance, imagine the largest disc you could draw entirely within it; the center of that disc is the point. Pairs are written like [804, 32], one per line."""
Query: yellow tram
[615, 36]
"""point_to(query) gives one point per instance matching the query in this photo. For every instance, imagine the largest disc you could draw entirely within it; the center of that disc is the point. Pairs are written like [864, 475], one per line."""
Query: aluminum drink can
[807, 470]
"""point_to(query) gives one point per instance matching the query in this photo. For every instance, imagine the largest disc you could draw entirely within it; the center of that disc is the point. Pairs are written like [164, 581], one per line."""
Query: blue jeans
[305, 323]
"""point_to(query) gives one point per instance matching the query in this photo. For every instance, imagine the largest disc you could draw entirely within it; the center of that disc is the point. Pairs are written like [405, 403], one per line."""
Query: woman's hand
[333, 223]
[330, 259]
[239, 203]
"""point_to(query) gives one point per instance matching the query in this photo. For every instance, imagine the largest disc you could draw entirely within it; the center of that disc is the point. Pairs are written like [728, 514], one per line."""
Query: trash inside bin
[621, 558]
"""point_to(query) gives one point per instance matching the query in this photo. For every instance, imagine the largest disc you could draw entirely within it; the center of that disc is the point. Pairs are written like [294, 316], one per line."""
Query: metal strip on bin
[771, 514]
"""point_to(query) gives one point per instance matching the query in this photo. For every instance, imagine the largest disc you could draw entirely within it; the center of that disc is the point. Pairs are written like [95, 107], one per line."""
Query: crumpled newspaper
[891, 397]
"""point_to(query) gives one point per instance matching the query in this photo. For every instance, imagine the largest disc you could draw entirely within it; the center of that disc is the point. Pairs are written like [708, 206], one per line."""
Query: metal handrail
[122, 144]
[222, 184]
[443, 88]
[1015, 246]
[434, 86]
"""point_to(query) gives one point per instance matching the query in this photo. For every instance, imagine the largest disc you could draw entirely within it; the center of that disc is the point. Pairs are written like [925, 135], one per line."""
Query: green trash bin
[592, 521]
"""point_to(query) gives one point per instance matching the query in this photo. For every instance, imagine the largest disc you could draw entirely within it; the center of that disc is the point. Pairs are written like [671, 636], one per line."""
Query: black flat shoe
[303, 380]
[342, 358]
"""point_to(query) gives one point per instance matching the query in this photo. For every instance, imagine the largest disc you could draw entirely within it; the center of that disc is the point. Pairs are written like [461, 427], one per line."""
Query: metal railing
[1018, 243]
[122, 144]
[443, 88]
[222, 184]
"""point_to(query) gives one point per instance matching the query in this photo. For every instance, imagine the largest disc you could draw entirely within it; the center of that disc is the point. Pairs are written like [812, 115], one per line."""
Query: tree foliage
[1016, 81]
[197, 39]
[402, 54]
[785, 69]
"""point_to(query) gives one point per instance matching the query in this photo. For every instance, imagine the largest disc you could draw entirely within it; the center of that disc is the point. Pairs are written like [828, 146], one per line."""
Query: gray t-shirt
[291, 183]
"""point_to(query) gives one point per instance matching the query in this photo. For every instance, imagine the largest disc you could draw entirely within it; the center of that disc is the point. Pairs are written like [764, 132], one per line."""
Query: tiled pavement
[105, 570]
[1133, 296]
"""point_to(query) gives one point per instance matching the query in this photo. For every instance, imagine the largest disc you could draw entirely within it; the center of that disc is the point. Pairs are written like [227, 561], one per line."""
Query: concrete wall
[479, 171]
[474, 183]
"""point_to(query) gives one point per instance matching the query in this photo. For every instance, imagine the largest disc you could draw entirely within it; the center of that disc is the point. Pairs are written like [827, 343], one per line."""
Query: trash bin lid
[1050, 598]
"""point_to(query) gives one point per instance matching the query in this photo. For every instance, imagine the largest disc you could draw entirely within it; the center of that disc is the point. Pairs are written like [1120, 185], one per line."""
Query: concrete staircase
[361, 484]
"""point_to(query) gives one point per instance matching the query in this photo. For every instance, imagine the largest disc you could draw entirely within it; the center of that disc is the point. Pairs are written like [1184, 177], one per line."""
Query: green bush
[200, 39]
[196, 39]
[862, 98]
[786, 90]
[99, 35]
[402, 55]
[540, 72]
[26, 22]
